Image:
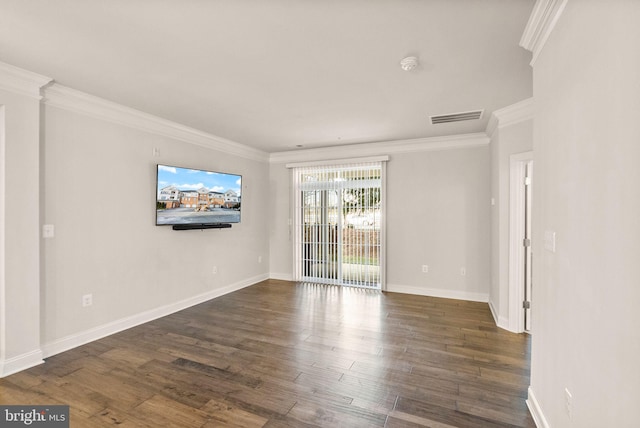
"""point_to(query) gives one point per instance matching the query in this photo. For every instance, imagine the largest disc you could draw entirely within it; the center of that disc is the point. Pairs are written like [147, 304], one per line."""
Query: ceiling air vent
[456, 117]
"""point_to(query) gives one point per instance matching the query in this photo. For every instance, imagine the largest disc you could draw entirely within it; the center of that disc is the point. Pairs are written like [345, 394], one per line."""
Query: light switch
[48, 231]
[550, 241]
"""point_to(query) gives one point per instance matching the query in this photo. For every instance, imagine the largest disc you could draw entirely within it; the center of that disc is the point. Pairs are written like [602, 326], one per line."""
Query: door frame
[517, 195]
[295, 204]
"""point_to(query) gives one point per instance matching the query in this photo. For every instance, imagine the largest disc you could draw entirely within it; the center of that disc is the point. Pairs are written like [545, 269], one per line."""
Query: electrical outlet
[425, 268]
[87, 300]
[567, 402]
[214, 270]
[463, 271]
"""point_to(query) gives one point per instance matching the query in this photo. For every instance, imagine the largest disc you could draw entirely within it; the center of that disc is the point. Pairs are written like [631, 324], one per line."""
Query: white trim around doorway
[517, 171]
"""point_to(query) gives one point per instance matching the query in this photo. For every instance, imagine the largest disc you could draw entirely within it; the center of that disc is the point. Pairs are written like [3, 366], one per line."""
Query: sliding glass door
[320, 249]
[338, 224]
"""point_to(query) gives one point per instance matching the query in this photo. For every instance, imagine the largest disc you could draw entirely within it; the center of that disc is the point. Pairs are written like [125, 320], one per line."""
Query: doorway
[528, 253]
[338, 224]
[521, 256]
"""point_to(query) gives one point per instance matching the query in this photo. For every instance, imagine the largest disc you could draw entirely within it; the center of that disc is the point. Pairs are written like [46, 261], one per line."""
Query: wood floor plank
[11, 394]
[399, 419]
[491, 412]
[176, 388]
[75, 396]
[331, 415]
[163, 412]
[110, 418]
[120, 395]
[284, 354]
[223, 414]
[446, 413]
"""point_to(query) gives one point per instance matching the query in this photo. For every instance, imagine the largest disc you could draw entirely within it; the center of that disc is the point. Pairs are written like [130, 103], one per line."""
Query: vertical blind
[338, 223]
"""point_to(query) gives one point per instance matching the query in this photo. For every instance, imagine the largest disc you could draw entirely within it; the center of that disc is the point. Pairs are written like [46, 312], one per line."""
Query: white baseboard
[536, 410]
[500, 321]
[281, 276]
[78, 339]
[504, 324]
[493, 312]
[20, 362]
[437, 292]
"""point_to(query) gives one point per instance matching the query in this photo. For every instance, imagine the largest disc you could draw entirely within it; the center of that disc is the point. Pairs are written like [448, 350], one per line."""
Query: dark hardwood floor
[281, 354]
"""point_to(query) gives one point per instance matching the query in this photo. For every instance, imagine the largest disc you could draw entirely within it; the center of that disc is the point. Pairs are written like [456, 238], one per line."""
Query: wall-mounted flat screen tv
[188, 196]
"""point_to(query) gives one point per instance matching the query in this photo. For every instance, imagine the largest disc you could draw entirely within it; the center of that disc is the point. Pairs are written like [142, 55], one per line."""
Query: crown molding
[20, 81]
[510, 115]
[60, 96]
[492, 125]
[543, 19]
[381, 148]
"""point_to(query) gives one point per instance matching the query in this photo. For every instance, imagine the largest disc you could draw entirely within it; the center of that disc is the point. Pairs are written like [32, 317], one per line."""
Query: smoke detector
[409, 63]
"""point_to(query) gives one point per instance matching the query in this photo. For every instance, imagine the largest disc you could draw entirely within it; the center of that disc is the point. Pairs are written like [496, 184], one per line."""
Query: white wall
[99, 193]
[586, 144]
[280, 240]
[438, 205]
[506, 140]
[438, 213]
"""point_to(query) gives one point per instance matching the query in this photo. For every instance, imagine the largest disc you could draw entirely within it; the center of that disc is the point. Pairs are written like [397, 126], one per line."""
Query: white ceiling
[280, 73]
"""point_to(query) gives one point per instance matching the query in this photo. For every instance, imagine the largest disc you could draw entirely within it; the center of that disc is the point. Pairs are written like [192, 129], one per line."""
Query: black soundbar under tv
[201, 226]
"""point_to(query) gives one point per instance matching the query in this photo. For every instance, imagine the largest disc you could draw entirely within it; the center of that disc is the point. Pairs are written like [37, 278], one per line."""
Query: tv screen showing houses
[193, 196]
